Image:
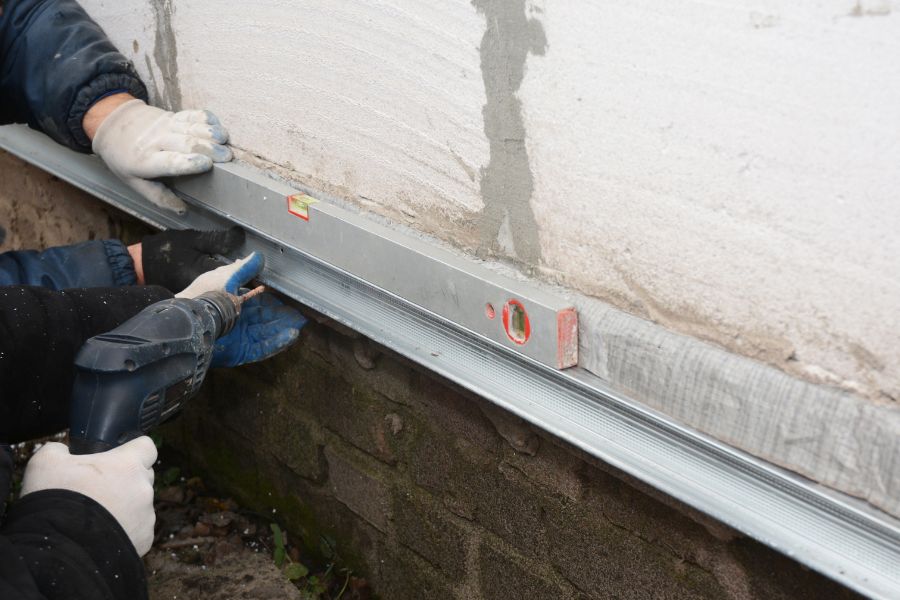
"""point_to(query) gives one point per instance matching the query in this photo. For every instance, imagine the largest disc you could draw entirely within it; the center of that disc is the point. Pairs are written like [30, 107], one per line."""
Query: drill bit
[254, 292]
[238, 300]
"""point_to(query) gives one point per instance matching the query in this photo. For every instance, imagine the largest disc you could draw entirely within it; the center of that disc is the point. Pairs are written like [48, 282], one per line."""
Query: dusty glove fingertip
[211, 118]
[191, 164]
[277, 344]
[286, 338]
[221, 153]
[218, 134]
[158, 194]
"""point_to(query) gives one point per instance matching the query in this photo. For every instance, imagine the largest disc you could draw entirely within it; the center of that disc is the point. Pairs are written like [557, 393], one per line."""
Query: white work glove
[139, 142]
[120, 480]
[229, 278]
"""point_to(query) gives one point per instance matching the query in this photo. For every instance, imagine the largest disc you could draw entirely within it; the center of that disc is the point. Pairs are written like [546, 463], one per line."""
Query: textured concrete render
[727, 170]
[369, 100]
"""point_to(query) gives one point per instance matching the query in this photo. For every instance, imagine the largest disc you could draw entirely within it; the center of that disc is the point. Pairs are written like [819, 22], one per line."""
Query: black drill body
[141, 373]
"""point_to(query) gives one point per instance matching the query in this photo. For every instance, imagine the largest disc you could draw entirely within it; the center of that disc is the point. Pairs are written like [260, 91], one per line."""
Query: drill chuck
[226, 309]
[141, 373]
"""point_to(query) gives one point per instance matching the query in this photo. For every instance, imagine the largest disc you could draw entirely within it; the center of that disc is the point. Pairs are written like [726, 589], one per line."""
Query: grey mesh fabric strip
[828, 435]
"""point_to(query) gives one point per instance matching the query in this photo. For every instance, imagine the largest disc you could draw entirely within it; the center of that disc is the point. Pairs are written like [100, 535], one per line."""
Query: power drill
[141, 373]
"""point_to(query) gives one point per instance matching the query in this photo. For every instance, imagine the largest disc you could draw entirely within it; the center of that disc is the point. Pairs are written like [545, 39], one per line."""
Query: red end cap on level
[566, 338]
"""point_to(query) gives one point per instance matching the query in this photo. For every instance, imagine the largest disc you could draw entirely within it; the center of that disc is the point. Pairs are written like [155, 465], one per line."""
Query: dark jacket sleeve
[59, 544]
[41, 331]
[55, 62]
[89, 264]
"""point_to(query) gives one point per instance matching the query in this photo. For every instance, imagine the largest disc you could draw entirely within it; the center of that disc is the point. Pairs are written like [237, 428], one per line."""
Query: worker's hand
[120, 480]
[140, 143]
[173, 259]
[266, 327]
[229, 278]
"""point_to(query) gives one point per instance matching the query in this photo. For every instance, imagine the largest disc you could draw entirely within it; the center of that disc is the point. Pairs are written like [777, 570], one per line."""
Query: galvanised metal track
[831, 533]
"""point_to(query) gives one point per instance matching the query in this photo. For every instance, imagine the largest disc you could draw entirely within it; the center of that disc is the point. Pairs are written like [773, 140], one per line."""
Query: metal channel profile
[833, 534]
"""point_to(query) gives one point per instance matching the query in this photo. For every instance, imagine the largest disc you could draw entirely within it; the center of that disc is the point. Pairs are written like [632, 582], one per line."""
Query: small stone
[365, 355]
[460, 507]
[223, 547]
[191, 556]
[511, 428]
[360, 588]
[194, 483]
[218, 519]
[173, 494]
[395, 423]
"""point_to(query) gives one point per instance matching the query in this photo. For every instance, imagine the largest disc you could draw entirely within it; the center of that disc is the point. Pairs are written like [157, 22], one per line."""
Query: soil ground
[207, 547]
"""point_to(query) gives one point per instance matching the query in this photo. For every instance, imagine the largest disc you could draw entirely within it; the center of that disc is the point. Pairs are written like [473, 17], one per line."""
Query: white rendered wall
[730, 170]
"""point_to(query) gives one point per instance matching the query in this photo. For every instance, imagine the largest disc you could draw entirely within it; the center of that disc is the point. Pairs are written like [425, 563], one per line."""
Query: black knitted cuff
[90, 93]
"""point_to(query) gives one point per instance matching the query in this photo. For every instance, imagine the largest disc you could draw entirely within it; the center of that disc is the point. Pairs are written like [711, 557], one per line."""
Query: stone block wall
[38, 210]
[431, 492]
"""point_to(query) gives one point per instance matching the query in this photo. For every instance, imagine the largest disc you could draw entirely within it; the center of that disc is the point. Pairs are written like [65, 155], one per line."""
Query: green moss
[229, 464]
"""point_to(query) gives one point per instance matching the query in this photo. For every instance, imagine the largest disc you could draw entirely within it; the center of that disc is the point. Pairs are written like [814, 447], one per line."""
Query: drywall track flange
[836, 535]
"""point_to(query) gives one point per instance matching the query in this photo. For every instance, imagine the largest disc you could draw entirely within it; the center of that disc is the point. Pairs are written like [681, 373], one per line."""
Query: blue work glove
[266, 327]
[229, 278]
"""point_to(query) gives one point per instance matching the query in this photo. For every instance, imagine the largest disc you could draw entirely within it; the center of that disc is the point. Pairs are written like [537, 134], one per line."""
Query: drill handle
[129, 380]
[82, 445]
